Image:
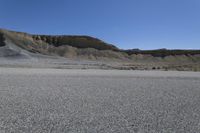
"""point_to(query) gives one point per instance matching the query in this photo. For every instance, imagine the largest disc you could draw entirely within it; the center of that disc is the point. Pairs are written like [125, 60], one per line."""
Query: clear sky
[144, 24]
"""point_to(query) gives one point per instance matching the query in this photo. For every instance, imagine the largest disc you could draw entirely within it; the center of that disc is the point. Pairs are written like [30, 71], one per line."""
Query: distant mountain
[163, 52]
[24, 45]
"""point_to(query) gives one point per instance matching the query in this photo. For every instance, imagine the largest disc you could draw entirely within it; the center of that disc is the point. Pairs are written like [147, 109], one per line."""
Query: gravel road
[98, 101]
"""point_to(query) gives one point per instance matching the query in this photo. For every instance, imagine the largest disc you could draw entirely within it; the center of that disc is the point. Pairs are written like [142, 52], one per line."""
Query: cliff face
[75, 41]
[2, 39]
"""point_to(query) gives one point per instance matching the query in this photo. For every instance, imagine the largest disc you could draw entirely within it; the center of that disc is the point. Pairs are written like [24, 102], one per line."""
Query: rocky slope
[23, 45]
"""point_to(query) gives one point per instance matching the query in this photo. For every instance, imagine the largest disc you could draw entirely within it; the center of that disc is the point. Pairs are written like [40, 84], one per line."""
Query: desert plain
[36, 100]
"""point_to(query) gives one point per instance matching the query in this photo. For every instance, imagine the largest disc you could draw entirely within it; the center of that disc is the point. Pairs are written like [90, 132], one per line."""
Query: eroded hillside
[88, 48]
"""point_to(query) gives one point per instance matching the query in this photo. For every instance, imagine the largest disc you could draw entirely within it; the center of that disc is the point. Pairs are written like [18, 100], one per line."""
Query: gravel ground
[98, 101]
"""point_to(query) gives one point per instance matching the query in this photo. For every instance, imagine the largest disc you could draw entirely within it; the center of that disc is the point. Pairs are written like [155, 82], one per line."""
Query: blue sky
[144, 24]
